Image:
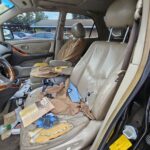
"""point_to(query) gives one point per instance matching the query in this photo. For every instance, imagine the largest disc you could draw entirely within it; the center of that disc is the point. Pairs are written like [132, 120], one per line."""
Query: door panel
[33, 46]
[28, 52]
[28, 45]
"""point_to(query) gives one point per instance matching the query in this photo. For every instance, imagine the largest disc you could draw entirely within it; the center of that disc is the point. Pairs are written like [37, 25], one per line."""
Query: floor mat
[12, 143]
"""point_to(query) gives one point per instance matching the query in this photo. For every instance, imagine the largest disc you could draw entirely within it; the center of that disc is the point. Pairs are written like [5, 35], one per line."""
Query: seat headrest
[120, 14]
[78, 30]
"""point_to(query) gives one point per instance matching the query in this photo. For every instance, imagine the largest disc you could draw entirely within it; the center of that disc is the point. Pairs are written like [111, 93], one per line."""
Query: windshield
[5, 5]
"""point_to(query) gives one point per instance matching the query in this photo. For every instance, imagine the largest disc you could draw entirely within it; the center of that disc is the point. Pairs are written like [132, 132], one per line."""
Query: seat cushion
[78, 138]
[78, 121]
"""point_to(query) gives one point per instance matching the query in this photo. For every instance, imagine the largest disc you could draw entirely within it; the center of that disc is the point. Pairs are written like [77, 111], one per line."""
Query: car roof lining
[82, 6]
[23, 3]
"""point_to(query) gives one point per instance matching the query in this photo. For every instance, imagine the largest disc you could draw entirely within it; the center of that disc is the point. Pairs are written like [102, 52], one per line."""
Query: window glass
[39, 25]
[5, 5]
[86, 22]
[39, 35]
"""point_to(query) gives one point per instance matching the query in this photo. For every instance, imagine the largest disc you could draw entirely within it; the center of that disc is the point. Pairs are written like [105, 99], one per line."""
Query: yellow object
[41, 64]
[122, 143]
[34, 132]
[43, 72]
[47, 134]
[60, 68]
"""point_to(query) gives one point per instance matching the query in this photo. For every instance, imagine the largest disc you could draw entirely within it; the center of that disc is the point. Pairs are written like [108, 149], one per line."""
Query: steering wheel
[8, 77]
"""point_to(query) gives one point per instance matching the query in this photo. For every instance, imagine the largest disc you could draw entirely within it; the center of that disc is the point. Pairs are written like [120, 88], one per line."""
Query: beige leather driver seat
[96, 73]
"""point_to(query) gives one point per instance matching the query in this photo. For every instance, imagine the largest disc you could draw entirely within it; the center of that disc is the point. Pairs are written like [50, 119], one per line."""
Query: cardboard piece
[6, 135]
[35, 111]
[10, 118]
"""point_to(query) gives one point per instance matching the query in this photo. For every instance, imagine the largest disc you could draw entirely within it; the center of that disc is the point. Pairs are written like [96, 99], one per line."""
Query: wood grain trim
[10, 72]
[19, 52]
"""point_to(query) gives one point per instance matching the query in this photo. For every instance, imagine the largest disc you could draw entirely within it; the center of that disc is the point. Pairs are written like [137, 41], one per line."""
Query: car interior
[95, 66]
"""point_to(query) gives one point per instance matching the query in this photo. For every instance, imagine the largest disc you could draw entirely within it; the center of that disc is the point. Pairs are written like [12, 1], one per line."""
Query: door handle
[24, 47]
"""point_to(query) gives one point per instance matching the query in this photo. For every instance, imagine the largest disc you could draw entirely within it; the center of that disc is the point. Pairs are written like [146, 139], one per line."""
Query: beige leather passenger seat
[68, 55]
[95, 73]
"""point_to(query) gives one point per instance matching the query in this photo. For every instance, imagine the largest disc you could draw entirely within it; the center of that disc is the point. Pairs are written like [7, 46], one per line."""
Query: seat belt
[129, 50]
[130, 45]
[91, 30]
[132, 40]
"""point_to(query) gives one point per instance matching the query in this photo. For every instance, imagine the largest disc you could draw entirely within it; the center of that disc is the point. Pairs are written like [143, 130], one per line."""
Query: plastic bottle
[130, 132]
[4, 128]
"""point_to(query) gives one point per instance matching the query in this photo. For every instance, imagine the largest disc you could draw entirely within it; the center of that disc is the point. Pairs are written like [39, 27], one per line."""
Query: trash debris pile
[12, 124]
[43, 114]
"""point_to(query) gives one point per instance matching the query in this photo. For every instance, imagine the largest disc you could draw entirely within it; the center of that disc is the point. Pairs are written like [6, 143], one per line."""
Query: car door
[36, 43]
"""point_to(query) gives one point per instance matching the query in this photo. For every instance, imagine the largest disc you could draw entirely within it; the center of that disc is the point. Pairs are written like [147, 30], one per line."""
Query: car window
[5, 5]
[40, 35]
[33, 25]
[50, 36]
[88, 23]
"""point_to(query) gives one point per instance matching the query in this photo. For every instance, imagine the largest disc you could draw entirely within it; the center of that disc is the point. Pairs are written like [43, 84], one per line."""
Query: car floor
[12, 143]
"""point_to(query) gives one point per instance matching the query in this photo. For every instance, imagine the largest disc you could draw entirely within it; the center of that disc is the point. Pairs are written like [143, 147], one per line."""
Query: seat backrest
[73, 49]
[96, 73]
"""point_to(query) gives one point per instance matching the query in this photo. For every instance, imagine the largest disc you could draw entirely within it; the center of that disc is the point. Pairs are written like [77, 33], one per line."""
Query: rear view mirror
[8, 35]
